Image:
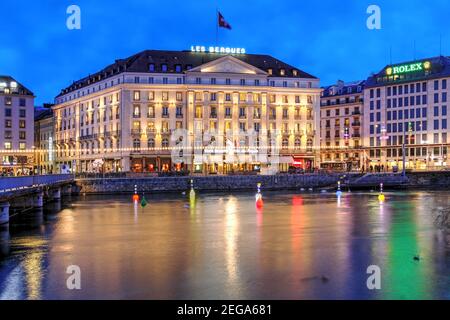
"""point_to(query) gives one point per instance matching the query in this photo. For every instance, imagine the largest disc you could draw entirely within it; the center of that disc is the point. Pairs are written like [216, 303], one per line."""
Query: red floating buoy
[135, 197]
[259, 203]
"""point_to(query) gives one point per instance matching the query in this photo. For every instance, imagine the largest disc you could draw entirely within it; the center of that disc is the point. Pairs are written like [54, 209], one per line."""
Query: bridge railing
[8, 184]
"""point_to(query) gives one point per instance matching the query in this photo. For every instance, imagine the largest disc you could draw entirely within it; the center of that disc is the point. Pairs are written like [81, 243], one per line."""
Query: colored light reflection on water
[299, 246]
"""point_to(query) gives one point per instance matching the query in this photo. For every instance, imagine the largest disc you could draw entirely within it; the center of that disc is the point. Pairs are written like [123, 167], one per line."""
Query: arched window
[136, 144]
[285, 143]
[298, 142]
[151, 143]
[165, 143]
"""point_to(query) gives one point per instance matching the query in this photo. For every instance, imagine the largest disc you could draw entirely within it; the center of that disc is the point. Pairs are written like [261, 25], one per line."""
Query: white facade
[17, 127]
[410, 114]
[127, 122]
[342, 112]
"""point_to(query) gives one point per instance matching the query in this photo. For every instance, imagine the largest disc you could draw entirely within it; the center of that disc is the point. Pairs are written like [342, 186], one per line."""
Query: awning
[287, 160]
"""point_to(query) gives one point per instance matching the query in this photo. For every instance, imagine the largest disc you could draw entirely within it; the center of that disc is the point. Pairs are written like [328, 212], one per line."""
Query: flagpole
[217, 27]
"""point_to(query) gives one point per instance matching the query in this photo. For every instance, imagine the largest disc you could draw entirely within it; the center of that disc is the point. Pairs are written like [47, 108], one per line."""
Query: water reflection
[299, 246]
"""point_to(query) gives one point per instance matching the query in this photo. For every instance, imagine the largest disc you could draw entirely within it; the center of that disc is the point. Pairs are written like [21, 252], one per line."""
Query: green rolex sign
[407, 68]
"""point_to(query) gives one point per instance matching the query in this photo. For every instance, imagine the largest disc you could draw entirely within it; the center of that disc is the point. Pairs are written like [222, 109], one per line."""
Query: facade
[17, 132]
[195, 111]
[406, 113]
[44, 141]
[341, 126]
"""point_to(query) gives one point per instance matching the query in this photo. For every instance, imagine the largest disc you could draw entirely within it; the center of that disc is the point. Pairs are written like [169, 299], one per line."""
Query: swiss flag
[222, 22]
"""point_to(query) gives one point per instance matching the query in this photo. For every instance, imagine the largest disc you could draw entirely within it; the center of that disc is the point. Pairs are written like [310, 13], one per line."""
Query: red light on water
[297, 201]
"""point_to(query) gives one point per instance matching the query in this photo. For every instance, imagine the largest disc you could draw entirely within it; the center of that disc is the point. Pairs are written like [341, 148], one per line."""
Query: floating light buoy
[339, 192]
[258, 196]
[144, 202]
[135, 195]
[381, 196]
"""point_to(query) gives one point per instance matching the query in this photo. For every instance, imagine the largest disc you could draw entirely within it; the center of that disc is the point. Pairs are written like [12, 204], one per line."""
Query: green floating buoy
[144, 202]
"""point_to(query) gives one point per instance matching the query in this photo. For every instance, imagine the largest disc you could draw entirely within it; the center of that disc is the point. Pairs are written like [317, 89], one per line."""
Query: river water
[220, 246]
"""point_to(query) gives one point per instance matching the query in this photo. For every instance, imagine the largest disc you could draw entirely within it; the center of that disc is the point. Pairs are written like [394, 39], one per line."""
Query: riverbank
[418, 180]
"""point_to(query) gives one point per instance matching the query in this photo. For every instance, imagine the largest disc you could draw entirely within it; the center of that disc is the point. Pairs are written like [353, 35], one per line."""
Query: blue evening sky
[327, 38]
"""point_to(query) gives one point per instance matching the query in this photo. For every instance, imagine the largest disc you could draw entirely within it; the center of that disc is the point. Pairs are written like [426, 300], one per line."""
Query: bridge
[31, 191]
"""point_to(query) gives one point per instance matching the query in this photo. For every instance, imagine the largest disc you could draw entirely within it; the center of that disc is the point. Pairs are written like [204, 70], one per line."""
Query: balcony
[256, 116]
[150, 131]
[242, 116]
[272, 117]
[356, 124]
[86, 137]
[213, 115]
[356, 112]
[179, 115]
[165, 115]
[297, 117]
[136, 115]
[135, 131]
[356, 135]
[227, 116]
[309, 118]
[150, 115]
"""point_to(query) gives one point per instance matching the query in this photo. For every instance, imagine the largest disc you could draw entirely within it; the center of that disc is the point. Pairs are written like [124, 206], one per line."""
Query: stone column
[56, 194]
[38, 200]
[67, 190]
[4, 213]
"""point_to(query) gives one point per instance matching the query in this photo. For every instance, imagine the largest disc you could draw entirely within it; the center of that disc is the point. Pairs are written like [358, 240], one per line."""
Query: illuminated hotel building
[44, 140]
[126, 115]
[17, 120]
[406, 108]
[341, 126]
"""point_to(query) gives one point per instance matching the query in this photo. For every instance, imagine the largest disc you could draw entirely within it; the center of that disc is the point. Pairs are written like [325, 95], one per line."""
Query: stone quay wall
[440, 180]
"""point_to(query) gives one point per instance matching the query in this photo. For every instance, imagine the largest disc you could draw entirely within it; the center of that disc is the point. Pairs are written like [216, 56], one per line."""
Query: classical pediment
[227, 64]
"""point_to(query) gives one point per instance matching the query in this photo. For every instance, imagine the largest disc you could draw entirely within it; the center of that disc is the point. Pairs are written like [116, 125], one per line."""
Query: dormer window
[270, 71]
[282, 72]
[164, 67]
[294, 73]
[178, 68]
[151, 67]
[188, 67]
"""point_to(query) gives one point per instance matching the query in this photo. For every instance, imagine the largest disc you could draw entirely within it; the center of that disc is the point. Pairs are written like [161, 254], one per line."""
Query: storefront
[16, 165]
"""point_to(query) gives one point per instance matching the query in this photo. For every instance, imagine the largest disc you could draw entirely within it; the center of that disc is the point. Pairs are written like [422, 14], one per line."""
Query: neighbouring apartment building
[406, 114]
[17, 129]
[341, 126]
[44, 140]
[184, 110]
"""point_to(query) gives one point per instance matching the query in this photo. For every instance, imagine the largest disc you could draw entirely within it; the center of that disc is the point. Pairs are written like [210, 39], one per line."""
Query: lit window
[137, 95]
[8, 145]
[22, 146]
